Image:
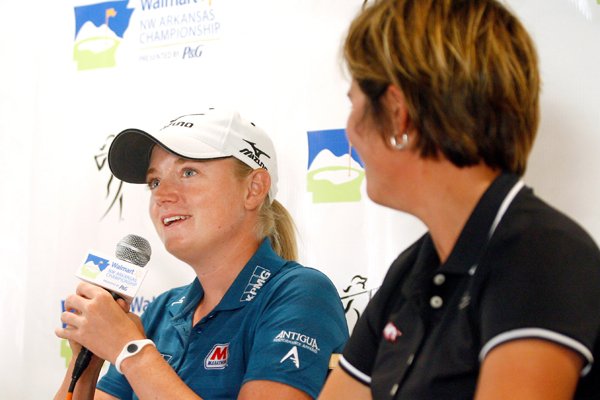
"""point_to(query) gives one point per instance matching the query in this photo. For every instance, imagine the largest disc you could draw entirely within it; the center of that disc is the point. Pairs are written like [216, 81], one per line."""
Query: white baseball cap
[207, 135]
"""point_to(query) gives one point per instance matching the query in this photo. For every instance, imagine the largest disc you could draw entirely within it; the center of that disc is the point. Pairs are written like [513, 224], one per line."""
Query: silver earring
[399, 145]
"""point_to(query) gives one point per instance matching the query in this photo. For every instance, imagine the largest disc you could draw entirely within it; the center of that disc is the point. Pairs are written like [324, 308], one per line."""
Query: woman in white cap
[254, 324]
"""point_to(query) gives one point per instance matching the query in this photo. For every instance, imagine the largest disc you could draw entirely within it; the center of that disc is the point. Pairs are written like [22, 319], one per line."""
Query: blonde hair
[467, 69]
[274, 221]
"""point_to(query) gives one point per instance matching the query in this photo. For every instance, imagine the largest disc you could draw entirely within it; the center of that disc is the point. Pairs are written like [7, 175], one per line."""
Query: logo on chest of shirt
[257, 280]
[217, 357]
[391, 333]
[180, 301]
[297, 339]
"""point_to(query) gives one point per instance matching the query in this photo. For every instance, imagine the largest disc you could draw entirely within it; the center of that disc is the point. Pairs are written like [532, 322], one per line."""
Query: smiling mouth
[169, 220]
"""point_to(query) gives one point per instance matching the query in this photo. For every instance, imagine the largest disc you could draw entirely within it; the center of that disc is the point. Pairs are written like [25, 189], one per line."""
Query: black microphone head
[134, 249]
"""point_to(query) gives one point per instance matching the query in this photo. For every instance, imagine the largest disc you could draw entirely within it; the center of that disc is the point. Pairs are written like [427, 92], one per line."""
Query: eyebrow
[179, 160]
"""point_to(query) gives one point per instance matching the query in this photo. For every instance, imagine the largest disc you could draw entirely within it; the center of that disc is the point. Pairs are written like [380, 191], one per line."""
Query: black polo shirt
[427, 329]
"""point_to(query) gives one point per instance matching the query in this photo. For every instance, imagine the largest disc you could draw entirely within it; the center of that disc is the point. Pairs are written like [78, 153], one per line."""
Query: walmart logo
[335, 172]
[99, 29]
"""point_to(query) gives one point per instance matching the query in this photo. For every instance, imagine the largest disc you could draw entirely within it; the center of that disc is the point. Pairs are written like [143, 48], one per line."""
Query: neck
[449, 198]
[218, 270]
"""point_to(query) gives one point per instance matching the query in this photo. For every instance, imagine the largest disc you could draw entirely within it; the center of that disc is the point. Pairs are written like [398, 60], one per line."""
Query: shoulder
[537, 251]
[294, 276]
[537, 231]
[532, 214]
[542, 270]
[298, 292]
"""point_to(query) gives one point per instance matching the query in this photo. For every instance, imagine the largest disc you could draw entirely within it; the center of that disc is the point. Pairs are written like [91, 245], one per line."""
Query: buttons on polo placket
[473, 269]
[436, 302]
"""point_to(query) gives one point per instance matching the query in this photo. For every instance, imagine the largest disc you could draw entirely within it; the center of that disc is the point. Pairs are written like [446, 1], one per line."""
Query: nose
[165, 192]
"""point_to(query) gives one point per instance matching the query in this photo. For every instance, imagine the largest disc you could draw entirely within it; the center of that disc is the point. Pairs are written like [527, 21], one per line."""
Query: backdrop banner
[75, 73]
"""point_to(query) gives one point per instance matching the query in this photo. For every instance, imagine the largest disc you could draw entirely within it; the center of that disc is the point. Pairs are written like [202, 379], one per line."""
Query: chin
[375, 195]
[174, 247]
[381, 199]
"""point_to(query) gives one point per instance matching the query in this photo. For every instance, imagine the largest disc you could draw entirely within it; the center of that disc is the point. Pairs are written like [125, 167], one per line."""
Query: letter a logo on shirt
[292, 355]
[217, 357]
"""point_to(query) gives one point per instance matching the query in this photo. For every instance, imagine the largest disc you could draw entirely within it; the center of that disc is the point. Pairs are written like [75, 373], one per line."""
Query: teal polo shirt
[279, 321]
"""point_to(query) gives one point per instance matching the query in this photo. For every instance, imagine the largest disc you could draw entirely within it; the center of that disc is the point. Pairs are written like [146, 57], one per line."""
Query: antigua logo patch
[298, 339]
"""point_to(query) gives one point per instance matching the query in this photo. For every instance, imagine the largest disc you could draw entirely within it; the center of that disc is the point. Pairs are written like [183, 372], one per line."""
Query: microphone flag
[115, 275]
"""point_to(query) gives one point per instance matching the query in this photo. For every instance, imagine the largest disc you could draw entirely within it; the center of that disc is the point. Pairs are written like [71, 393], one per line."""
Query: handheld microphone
[134, 250]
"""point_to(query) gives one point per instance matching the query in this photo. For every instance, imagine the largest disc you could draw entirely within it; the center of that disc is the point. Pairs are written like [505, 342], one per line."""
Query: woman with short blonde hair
[499, 299]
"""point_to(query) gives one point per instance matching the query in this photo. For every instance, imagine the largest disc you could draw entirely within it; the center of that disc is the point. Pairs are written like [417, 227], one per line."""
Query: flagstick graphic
[349, 157]
[110, 12]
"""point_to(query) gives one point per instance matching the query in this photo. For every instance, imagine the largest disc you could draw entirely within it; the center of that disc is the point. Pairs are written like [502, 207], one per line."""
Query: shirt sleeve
[360, 352]
[544, 285]
[301, 324]
[358, 359]
[115, 384]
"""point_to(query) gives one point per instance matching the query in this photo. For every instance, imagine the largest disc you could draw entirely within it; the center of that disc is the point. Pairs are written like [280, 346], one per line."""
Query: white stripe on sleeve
[539, 333]
[352, 370]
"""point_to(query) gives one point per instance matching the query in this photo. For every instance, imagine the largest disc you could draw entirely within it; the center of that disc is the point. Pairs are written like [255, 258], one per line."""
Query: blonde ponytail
[274, 222]
[282, 230]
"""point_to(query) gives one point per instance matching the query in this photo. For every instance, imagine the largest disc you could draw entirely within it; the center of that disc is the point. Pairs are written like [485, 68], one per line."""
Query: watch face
[132, 347]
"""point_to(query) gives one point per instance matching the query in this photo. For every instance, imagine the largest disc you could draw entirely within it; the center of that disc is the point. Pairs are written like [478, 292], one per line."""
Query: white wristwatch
[131, 349]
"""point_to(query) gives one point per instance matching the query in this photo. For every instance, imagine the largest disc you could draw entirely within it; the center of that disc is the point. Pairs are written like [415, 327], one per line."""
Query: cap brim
[129, 155]
[130, 151]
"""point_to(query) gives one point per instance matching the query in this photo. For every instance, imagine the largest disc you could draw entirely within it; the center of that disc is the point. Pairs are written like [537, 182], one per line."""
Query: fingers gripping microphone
[132, 249]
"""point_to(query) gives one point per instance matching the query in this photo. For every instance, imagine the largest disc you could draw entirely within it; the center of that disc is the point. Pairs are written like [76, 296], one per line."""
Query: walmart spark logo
[99, 29]
[335, 172]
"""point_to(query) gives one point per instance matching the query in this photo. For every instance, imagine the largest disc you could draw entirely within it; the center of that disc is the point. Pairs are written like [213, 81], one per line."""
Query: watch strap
[131, 349]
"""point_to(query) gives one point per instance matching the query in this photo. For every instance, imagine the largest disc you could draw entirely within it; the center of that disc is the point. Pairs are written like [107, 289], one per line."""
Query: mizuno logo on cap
[255, 154]
[177, 122]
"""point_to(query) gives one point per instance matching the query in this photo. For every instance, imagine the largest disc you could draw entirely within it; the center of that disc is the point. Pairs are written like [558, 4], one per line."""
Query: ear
[259, 183]
[395, 104]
